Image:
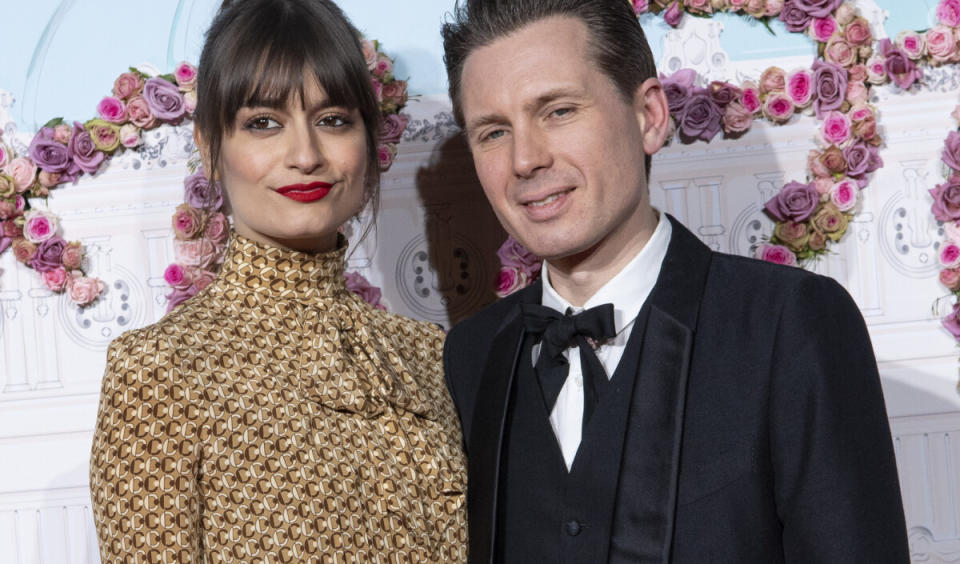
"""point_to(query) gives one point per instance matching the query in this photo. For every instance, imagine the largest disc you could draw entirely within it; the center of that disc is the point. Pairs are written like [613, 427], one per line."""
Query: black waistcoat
[545, 513]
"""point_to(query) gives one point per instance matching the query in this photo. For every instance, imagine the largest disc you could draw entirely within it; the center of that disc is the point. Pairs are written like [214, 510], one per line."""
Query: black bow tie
[557, 333]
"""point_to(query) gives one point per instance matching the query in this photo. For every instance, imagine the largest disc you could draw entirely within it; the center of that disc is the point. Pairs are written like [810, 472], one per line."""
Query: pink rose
[736, 118]
[861, 112]
[877, 69]
[360, 286]
[950, 255]
[129, 135]
[838, 51]
[673, 15]
[395, 93]
[512, 254]
[39, 226]
[82, 289]
[383, 68]
[778, 107]
[196, 252]
[385, 154]
[698, 6]
[941, 43]
[948, 13]
[773, 79]
[48, 179]
[736, 5]
[911, 43]
[187, 222]
[7, 211]
[190, 101]
[177, 276]
[777, 254]
[72, 256]
[23, 171]
[750, 98]
[844, 195]
[369, 53]
[857, 73]
[857, 33]
[756, 8]
[857, 93]
[510, 280]
[5, 155]
[845, 13]
[218, 227]
[800, 87]
[955, 114]
[55, 280]
[641, 6]
[112, 109]
[950, 278]
[773, 7]
[24, 250]
[823, 185]
[62, 133]
[822, 29]
[952, 230]
[139, 113]
[203, 278]
[186, 76]
[127, 84]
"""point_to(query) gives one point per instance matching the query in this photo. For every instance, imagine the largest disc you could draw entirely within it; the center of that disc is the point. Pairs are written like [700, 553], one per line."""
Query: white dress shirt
[627, 291]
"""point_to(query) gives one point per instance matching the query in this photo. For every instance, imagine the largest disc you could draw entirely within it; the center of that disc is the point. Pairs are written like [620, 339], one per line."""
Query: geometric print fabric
[277, 417]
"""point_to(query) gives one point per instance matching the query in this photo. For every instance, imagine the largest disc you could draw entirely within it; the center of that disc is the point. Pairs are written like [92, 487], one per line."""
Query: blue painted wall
[59, 57]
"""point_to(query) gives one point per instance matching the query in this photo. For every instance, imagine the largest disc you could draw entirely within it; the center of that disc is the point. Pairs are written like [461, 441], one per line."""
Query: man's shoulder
[485, 323]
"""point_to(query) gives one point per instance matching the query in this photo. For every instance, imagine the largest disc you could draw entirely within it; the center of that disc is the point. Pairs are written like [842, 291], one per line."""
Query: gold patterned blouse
[277, 417]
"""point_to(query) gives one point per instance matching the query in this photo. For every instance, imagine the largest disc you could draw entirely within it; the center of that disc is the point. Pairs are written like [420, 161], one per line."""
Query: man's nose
[531, 151]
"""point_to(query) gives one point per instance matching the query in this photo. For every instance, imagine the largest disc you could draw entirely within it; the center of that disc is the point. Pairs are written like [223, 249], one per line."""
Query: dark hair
[617, 43]
[257, 53]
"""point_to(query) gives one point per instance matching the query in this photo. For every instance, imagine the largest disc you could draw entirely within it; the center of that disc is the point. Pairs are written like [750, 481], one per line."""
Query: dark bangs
[262, 52]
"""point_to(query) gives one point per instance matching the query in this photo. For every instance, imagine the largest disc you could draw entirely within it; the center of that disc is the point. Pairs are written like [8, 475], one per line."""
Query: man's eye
[261, 123]
[495, 134]
[560, 112]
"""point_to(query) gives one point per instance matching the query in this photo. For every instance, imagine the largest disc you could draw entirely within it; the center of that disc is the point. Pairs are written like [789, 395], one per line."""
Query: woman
[276, 417]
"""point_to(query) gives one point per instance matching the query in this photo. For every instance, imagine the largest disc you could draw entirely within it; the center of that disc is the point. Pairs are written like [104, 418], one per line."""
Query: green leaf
[54, 122]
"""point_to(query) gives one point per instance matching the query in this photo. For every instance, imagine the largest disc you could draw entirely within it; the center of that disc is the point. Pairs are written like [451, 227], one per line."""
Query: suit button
[573, 528]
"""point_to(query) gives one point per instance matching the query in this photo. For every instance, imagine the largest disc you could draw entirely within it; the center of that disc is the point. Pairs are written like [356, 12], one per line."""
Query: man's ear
[653, 114]
[204, 148]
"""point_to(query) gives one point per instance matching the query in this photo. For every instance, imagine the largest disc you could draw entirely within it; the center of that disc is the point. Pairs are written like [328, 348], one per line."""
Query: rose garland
[946, 209]
[807, 215]
[60, 153]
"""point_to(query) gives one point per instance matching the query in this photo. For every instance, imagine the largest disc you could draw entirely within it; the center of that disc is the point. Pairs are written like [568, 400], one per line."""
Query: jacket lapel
[486, 433]
[647, 493]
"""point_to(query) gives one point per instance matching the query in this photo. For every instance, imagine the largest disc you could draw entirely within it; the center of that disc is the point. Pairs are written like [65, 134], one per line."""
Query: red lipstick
[305, 192]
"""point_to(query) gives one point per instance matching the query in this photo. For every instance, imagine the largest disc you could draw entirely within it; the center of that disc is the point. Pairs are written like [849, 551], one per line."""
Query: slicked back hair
[617, 43]
[261, 52]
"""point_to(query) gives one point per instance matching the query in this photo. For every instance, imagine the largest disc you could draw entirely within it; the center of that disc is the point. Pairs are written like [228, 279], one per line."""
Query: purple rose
[178, 296]
[816, 8]
[951, 152]
[360, 286]
[164, 99]
[673, 15]
[677, 87]
[830, 82]
[50, 155]
[898, 65]
[951, 323]
[794, 17]
[723, 93]
[201, 193]
[392, 128]
[512, 253]
[83, 150]
[701, 117]
[796, 202]
[5, 243]
[946, 200]
[48, 255]
[861, 159]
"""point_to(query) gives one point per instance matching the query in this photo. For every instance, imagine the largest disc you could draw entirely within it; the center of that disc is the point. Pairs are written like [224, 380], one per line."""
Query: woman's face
[295, 174]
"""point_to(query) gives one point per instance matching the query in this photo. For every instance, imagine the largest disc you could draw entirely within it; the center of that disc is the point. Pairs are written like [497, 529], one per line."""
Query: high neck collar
[284, 273]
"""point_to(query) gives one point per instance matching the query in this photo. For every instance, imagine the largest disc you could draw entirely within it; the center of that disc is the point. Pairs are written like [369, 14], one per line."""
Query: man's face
[558, 150]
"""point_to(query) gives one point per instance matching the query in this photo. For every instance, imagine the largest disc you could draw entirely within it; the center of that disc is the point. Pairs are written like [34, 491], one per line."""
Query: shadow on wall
[463, 233]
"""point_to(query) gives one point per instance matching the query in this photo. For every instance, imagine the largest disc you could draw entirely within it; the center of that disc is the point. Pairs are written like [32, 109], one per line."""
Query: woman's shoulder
[180, 330]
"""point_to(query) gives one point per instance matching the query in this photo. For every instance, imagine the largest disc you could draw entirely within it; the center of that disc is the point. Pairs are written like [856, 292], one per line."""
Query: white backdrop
[433, 254]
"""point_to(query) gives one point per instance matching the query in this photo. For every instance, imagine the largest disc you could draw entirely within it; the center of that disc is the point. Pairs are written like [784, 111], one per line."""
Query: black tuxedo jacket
[757, 418]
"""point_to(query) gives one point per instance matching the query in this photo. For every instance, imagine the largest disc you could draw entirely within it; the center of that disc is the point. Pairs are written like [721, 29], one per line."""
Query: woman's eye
[334, 121]
[261, 123]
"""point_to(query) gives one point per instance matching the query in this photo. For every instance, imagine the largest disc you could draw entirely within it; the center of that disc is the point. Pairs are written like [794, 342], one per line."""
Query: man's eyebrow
[530, 107]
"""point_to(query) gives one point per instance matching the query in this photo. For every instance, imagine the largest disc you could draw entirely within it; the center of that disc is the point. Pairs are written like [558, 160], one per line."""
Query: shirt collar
[628, 290]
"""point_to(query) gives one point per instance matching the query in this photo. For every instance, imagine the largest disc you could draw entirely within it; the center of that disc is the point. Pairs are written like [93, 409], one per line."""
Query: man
[721, 410]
